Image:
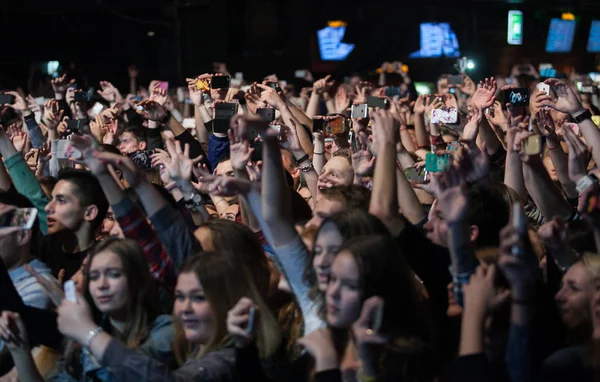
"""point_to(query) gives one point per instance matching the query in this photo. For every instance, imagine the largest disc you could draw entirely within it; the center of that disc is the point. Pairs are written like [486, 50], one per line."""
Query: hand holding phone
[359, 111]
[69, 287]
[517, 96]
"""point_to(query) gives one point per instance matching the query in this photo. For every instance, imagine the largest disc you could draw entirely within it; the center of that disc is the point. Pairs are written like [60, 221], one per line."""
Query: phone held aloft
[81, 96]
[336, 126]
[376, 102]
[21, 218]
[416, 175]
[220, 82]
[517, 97]
[359, 111]
[266, 113]
[224, 111]
[437, 162]
[142, 159]
[6, 99]
[444, 116]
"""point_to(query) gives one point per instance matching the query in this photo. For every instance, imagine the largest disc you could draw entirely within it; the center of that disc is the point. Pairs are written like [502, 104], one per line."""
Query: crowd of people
[327, 233]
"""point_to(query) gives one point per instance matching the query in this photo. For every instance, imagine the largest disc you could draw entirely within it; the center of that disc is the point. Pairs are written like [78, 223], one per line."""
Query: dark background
[259, 37]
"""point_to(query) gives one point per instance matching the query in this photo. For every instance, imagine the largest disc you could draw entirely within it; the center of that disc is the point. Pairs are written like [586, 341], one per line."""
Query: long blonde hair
[225, 281]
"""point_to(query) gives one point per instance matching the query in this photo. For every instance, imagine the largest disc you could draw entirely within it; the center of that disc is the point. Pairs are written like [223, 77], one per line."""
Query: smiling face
[192, 309]
[327, 243]
[336, 172]
[108, 283]
[343, 292]
[64, 209]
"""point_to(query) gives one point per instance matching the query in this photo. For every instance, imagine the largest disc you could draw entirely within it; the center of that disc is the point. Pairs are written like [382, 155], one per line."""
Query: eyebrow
[197, 290]
[107, 269]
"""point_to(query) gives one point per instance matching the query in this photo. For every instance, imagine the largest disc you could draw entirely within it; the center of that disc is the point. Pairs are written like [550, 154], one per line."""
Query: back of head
[87, 190]
[350, 196]
[489, 210]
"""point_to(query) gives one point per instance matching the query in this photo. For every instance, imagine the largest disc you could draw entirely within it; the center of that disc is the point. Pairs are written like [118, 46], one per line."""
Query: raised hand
[60, 84]
[452, 197]
[159, 95]
[180, 165]
[132, 71]
[109, 92]
[420, 104]
[240, 151]
[362, 329]
[362, 160]
[323, 85]
[554, 232]
[133, 175]
[13, 332]
[237, 322]
[270, 97]
[19, 104]
[75, 319]
[33, 105]
[152, 110]
[520, 271]
[496, 116]
[341, 100]
[480, 293]
[289, 138]
[19, 139]
[485, 93]
[566, 100]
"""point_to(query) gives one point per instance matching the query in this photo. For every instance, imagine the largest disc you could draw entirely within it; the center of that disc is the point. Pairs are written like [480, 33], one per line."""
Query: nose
[49, 207]
[326, 259]
[559, 297]
[103, 284]
[333, 290]
[115, 231]
[428, 226]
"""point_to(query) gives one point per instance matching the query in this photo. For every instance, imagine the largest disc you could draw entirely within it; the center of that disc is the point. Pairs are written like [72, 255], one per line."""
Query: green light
[514, 34]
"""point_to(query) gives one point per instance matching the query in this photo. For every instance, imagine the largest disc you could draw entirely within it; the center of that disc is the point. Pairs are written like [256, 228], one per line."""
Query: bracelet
[581, 116]
[305, 157]
[166, 118]
[91, 336]
[308, 168]
[314, 153]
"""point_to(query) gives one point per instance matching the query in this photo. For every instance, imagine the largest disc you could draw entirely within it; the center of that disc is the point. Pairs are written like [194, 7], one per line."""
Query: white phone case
[69, 287]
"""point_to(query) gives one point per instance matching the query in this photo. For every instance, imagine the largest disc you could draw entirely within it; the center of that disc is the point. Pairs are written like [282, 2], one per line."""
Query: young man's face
[128, 144]
[64, 209]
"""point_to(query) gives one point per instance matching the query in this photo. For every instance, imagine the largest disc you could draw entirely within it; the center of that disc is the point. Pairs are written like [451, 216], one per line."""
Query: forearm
[26, 367]
[311, 177]
[591, 133]
[406, 139]
[406, 160]
[513, 174]
[544, 193]
[175, 127]
[329, 104]
[313, 105]
[5, 182]
[113, 192]
[132, 85]
[462, 256]
[303, 136]
[299, 114]
[151, 199]
[318, 158]
[421, 133]
[560, 162]
[248, 217]
[488, 136]
[407, 199]
[384, 202]
[472, 329]
[201, 132]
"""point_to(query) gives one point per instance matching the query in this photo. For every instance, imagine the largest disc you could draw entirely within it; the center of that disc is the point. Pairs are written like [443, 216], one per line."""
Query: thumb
[61, 276]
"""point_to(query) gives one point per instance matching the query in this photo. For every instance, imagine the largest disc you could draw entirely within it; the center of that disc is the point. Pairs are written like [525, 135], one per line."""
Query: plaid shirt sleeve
[136, 227]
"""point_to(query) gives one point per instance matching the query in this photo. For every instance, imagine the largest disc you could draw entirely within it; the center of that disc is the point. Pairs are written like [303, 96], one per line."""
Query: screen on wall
[437, 40]
[331, 47]
[593, 45]
[560, 36]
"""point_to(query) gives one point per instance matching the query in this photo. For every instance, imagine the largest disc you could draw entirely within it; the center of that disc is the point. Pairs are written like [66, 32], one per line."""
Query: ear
[91, 213]
[295, 173]
[23, 237]
[473, 233]
[142, 145]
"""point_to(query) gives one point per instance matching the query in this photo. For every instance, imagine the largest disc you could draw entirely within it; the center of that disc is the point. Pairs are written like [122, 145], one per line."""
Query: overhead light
[336, 23]
[150, 33]
[470, 65]
[567, 16]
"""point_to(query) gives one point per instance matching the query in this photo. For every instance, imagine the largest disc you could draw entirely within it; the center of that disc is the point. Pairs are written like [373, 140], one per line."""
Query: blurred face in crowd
[336, 172]
[192, 309]
[327, 243]
[128, 143]
[226, 169]
[574, 297]
[436, 228]
[324, 208]
[80, 276]
[64, 210]
[108, 283]
[11, 243]
[343, 292]
[443, 87]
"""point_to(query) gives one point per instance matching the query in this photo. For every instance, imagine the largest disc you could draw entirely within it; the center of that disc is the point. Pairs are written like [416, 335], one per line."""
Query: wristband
[305, 157]
[583, 116]
[166, 118]
[91, 336]
[314, 153]
[308, 168]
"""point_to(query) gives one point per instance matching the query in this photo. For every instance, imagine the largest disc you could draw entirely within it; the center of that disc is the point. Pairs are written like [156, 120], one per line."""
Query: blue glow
[437, 39]
[331, 46]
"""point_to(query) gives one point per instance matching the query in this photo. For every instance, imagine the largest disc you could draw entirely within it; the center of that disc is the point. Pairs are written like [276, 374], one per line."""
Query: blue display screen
[560, 36]
[331, 46]
[593, 45]
[437, 40]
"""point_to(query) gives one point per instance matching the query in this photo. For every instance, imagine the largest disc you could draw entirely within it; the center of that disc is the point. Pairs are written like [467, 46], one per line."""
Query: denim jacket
[157, 346]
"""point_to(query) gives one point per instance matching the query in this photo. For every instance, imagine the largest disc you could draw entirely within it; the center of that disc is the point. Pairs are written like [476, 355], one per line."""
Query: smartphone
[266, 113]
[377, 319]
[82, 96]
[275, 85]
[75, 125]
[444, 116]
[455, 80]
[359, 111]
[32, 161]
[336, 126]
[533, 146]
[596, 119]
[223, 114]
[65, 150]
[542, 87]
[251, 320]
[164, 85]
[203, 84]
[437, 163]
[69, 288]
[452, 90]
[220, 82]
[142, 159]
[377, 102]
[588, 89]
[21, 218]
[7, 99]
[517, 97]
[277, 128]
[392, 91]
[300, 73]
[318, 124]
[97, 108]
[572, 126]
[239, 76]
[138, 98]
[416, 175]
[518, 222]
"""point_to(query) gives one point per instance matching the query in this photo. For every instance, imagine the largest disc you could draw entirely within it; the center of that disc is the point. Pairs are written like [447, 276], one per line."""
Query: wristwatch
[166, 118]
[585, 182]
[583, 116]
